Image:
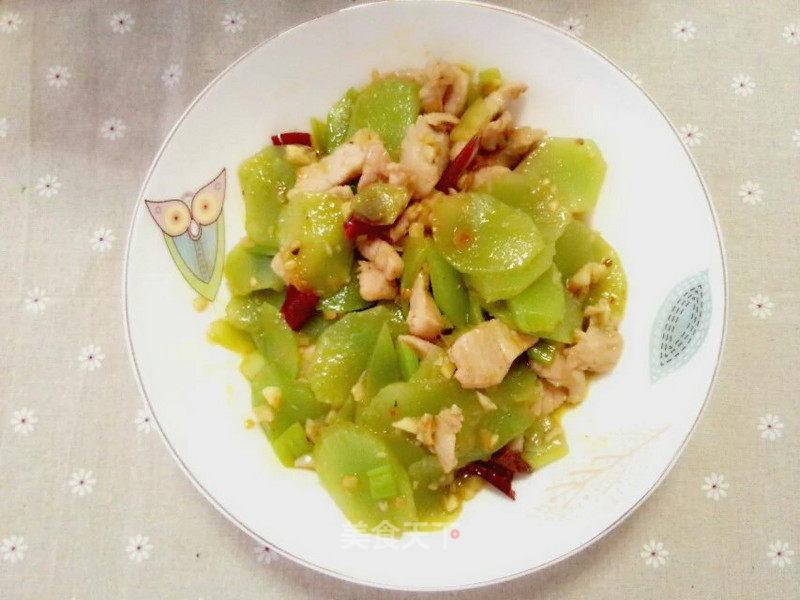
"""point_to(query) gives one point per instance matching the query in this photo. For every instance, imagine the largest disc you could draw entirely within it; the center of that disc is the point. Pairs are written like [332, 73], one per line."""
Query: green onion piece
[409, 363]
[489, 80]
[291, 444]
[251, 365]
[475, 315]
[543, 352]
[382, 484]
[224, 334]
[544, 442]
[319, 136]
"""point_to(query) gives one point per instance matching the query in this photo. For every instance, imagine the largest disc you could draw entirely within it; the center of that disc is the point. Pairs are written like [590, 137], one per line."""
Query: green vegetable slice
[448, 289]
[540, 307]
[388, 107]
[339, 120]
[408, 361]
[477, 233]
[226, 335]
[342, 352]
[579, 245]
[344, 457]
[544, 442]
[313, 245]
[247, 269]
[347, 299]
[265, 177]
[575, 167]
[539, 200]
[275, 340]
[505, 284]
[380, 203]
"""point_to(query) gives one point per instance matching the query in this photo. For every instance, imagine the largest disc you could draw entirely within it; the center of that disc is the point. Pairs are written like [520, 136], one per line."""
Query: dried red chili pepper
[298, 307]
[292, 137]
[457, 166]
[355, 227]
[493, 473]
[511, 460]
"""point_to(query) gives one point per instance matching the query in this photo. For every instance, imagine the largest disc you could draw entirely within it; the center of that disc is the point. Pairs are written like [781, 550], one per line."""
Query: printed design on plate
[680, 326]
[194, 230]
[595, 483]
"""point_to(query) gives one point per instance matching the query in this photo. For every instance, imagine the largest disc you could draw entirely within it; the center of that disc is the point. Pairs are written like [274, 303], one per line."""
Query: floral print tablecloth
[92, 504]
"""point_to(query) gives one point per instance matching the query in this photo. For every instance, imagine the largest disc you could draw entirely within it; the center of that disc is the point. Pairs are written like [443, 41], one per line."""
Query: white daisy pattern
[3, 127]
[743, 85]
[654, 554]
[691, 135]
[91, 357]
[23, 421]
[780, 554]
[13, 548]
[572, 26]
[102, 239]
[791, 33]
[770, 427]
[761, 306]
[139, 548]
[82, 482]
[751, 193]
[112, 129]
[10, 22]
[233, 22]
[143, 421]
[57, 77]
[36, 300]
[715, 487]
[265, 554]
[684, 31]
[172, 75]
[48, 185]
[121, 22]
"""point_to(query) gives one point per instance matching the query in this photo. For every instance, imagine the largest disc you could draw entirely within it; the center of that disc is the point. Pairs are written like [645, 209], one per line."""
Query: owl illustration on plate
[194, 230]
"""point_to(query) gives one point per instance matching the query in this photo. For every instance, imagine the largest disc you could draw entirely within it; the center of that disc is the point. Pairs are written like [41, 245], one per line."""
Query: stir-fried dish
[419, 294]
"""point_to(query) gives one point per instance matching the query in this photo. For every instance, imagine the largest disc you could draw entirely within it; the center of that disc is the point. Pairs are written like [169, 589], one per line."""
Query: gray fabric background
[75, 545]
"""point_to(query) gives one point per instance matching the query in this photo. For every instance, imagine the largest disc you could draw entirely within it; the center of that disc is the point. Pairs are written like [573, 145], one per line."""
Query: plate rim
[320, 568]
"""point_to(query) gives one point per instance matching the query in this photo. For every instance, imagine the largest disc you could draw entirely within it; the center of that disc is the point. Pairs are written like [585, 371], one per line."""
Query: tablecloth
[92, 504]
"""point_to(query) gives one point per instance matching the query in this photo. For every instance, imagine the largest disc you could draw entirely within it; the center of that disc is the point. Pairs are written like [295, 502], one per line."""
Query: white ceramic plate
[653, 209]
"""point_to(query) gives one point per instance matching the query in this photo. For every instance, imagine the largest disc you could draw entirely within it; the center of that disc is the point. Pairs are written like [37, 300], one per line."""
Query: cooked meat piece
[421, 348]
[376, 163]
[445, 89]
[499, 99]
[424, 155]
[563, 373]
[475, 179]
[519, 144]
[372, 283]
[424, 319]
[552, 398]
[484, 354]
[585, 277]
[342, 165]
[597, 349]
[377, 274]
[496, 133]
[437, 434]
[416, 212]
[383, 255]
[448, 424]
